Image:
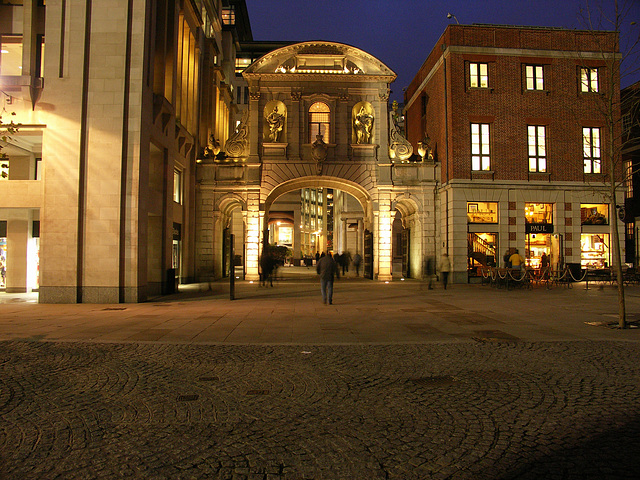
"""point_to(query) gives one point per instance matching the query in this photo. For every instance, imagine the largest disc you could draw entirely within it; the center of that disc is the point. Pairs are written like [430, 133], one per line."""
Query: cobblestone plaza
[392, 381]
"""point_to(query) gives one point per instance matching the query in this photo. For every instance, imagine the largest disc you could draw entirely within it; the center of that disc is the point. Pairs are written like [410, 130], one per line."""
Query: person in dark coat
[327, 269]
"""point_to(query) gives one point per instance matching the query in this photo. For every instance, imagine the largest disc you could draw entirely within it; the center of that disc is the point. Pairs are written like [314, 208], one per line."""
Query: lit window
[478, 75]
[177, 186]
[11, 55]
[242, 64]
[480, 150]
[482, 212]
[594, 214]
[535, 77]
[588, 79]
[229, 15]
[591, 149]
[319, 121]
[538, 213]
[628, 178]
[536, 139]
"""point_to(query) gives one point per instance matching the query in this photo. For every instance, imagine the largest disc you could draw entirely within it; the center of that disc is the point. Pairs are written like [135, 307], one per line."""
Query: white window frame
[478, 75]
[480, 147]
[589, 80]
[537, 148]
[177, 185]
[592, 149]
[534, 75]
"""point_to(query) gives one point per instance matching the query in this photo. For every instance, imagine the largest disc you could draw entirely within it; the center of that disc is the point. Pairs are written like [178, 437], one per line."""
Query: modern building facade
[513, 116]
[116, 100]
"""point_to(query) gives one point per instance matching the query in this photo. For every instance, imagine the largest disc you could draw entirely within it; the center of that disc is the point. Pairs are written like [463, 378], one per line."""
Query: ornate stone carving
[296, 96]
[399, 147]
[238, 142]
[424, 149]
[319, 153]
[254, 92]
[384, 95]
[213, 148]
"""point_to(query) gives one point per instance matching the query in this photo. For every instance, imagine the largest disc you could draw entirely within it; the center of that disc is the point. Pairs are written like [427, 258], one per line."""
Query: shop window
[588, 79]
[595, 250]
[591, 150]
[319, 121]
[534, 77]
[594, 214]
[482, 251]
[11, 55]
[177, 186]
[537, 142]
[482, 212]
[538, 213]
[480, 148]
[478, 75]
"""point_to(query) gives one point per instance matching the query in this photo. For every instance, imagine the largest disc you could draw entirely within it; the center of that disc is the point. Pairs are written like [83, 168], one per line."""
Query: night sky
[401, 33]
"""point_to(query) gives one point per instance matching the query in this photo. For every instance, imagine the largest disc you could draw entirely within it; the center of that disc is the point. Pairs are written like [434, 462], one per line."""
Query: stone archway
[408, 210]
[253, 235]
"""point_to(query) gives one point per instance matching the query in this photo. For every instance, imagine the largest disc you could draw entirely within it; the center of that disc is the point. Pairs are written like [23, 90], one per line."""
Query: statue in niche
[363, 124]
[276, 124]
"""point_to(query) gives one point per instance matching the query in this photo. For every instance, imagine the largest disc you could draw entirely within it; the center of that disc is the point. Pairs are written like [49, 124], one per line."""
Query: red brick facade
[446, 104]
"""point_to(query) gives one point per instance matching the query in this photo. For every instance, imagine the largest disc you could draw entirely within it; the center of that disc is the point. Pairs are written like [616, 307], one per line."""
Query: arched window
[319, 121]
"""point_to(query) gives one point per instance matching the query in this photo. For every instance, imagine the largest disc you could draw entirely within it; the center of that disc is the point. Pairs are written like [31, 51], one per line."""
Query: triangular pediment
[320, 58]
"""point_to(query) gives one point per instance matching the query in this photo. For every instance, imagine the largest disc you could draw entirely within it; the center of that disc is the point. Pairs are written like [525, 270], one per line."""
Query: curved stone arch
[270, 62]
[407, 206]
[348, 186]
[229, 202]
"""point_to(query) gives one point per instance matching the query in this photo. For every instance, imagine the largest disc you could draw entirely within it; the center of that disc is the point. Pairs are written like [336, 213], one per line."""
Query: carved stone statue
[213, 148]
[276, 124]
[319, 152]
[363, 124]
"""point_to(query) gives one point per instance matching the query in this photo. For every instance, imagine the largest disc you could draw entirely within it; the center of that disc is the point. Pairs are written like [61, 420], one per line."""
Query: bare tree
[6, 130]
[619, 54]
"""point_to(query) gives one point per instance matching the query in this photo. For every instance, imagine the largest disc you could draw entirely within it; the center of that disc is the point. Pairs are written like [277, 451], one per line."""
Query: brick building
[512, 116]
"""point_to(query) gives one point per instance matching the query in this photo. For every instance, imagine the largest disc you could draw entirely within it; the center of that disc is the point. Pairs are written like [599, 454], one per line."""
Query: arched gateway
[318, 119]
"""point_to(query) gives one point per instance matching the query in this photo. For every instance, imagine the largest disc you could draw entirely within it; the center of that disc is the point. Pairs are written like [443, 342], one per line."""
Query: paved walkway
[393, 381]
[363, 312]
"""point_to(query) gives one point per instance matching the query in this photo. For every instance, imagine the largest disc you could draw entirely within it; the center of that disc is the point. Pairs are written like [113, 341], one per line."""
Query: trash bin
[171, 282]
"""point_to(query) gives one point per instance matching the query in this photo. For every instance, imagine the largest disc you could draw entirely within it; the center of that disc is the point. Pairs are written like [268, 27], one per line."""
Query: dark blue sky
[401, 33]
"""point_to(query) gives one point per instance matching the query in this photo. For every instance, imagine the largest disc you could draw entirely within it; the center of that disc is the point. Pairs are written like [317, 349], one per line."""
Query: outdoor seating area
[548, 277]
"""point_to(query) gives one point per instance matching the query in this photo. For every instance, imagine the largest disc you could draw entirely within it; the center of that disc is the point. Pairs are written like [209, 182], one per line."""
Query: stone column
[17, 240]
[254, 222]
[384, 227]
[360, 238]
[344, 235]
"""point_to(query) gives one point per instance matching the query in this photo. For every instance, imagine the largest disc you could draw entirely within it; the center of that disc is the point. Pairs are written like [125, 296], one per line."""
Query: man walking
[327, 269]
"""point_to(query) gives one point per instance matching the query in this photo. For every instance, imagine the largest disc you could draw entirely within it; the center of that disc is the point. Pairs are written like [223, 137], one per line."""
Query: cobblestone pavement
[481, 409]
